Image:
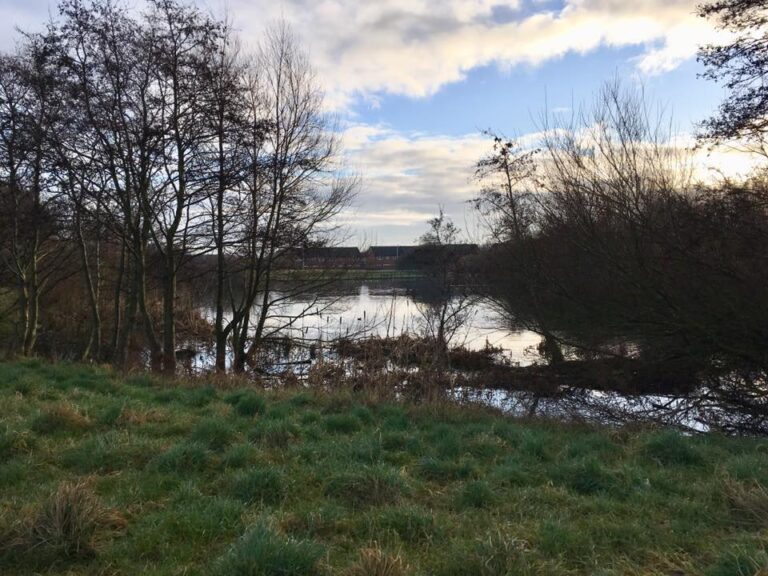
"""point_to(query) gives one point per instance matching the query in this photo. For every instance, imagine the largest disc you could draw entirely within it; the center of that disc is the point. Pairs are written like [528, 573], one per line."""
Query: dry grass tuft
[374, 562]
[140, 417]
[67, 525]
[62, 417]
[748, 502]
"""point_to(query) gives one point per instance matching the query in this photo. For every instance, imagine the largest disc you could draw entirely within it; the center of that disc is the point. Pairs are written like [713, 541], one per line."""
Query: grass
[101, 474]
[263, 552]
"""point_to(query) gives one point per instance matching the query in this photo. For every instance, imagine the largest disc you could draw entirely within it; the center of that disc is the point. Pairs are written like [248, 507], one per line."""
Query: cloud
[415, 47]
[407, 176]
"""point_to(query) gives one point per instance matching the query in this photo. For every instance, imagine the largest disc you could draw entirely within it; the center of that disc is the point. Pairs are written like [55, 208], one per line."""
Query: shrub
[369, 485]
[262, 552]
[60, 418]
[374, 562]
[213, 433]
[259, 485]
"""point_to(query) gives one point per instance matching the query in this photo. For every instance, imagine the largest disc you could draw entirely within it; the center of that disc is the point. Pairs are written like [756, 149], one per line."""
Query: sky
[413, 82]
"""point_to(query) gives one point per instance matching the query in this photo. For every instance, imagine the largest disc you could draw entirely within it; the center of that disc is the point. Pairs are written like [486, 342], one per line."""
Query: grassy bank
[105, 475]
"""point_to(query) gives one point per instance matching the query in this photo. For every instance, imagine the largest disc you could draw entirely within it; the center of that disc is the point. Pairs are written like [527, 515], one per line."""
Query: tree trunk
[169, 310]
[33, 307]
[221, 337]
[93, 347]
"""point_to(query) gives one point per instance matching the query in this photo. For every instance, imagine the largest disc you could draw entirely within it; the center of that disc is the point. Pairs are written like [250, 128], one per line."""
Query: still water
[383, 308]
[393, 307]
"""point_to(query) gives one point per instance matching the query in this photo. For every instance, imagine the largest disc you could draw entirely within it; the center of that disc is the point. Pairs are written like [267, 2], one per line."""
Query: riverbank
[125, 475]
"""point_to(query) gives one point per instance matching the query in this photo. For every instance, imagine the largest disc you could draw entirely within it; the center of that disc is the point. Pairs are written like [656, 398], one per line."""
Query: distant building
[331, 257]
[386, 256]
[425, 255]
[376, 257]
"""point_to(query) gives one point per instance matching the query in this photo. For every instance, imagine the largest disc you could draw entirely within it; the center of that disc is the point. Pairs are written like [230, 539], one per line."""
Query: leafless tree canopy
[623, 254]
[143, 149]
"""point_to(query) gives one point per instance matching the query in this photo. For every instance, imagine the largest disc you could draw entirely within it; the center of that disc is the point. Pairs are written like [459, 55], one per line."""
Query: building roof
[331, 252]
[390, 251]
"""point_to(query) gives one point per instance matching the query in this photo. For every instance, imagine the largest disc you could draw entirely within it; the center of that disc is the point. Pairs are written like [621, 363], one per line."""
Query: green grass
[188, 478]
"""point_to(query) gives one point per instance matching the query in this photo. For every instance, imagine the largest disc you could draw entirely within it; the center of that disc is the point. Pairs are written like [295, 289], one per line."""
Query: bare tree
[292, 192]
[742, 66]
[28, 111]
[446, 306]
[112, 61]
[509, 206]
[184, 43]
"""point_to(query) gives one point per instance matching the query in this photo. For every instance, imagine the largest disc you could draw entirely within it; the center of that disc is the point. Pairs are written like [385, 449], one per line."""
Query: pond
[384, 308]
[392, 307]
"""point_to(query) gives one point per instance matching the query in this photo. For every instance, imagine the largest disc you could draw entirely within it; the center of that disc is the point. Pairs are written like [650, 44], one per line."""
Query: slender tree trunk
[155, 351]
[33, 303]
[221, 336]
[93, 347]
[23, 315]
[169, 320]
[117, 302]
[131, 309]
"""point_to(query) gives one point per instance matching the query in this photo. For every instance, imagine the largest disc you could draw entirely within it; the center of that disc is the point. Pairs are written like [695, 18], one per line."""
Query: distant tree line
[133, 143]
[608, 244]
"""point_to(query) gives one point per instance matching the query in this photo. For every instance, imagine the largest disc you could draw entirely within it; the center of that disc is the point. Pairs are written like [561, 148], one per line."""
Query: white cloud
[414, 47]
[406, 177]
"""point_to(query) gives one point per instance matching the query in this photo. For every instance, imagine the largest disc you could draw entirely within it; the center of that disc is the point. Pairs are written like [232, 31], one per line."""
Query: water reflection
[383, 308]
